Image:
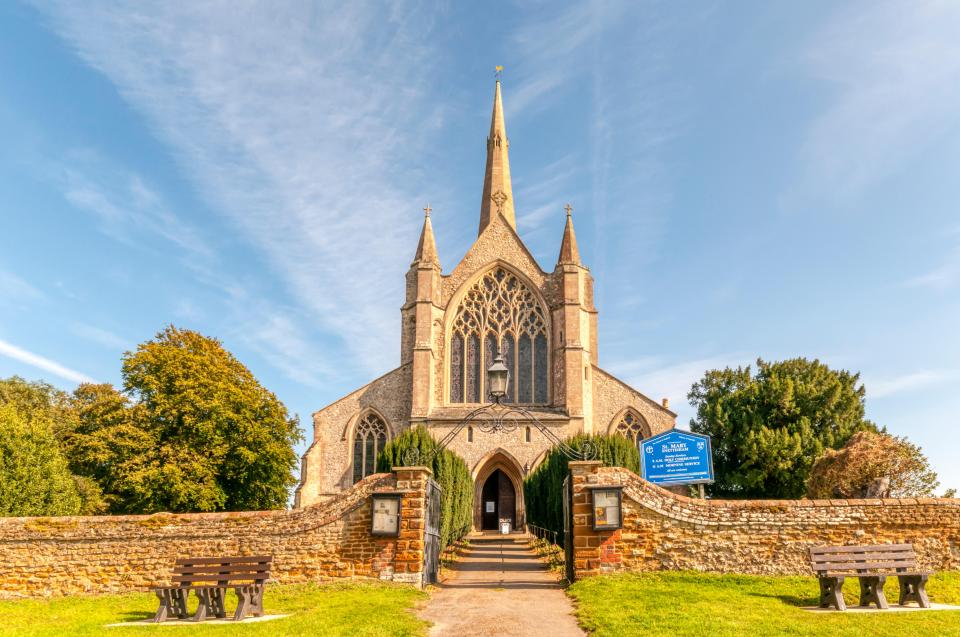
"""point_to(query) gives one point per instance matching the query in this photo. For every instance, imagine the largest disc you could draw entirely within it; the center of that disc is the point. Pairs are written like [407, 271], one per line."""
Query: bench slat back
[222, 571]
[861, 559]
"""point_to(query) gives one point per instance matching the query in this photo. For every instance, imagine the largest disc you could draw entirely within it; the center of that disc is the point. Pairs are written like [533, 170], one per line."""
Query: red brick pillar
[408, 560]
[594, 552]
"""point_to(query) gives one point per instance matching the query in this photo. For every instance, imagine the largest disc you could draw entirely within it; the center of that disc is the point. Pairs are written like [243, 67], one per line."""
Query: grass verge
[694, 604]
[334, 610]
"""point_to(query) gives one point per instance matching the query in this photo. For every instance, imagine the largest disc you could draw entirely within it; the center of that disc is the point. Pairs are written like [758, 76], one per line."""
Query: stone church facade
[497, 299]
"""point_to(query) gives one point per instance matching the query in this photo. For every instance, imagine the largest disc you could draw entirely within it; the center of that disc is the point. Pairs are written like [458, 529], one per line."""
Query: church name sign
[677, 457]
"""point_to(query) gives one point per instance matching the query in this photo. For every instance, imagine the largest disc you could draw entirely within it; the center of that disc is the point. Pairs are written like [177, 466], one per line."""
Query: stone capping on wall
[732, 512]
[118, 527]
[666, 531]
[46, 556]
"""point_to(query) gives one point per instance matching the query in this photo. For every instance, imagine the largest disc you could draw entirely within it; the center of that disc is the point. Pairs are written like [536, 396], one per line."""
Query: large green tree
[38, 420]
[112, 444]
[34, 478]
[769, 427]
[221, 440]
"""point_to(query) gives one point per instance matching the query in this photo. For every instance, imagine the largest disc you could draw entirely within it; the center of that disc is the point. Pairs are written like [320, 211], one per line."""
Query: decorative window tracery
[370, 439]
[499, 313]
[633, 426]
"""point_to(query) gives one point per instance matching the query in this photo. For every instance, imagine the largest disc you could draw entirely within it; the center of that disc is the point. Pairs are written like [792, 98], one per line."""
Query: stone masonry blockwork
[115, 554]
[665, 531]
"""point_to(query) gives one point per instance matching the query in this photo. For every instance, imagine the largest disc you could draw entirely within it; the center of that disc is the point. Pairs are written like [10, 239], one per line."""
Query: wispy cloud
[895, 72]
[99, 335]
[883, 387]
[544, 195]
[126, 208]
[13, 289]
[35, 360]
[296, 123]
[658, 378]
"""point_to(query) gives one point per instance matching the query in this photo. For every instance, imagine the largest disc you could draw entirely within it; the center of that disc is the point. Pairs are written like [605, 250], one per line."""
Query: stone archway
[498, 477]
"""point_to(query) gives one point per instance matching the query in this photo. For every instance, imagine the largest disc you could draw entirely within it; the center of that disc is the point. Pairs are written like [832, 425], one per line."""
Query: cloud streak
[905, 383]
[35, 360]
[895, 75]
[298, 125]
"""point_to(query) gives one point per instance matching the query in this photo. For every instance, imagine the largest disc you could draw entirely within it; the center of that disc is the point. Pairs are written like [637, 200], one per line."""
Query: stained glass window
[540, 368]
[369, 440]
[456, 368]
[633, 426]
[499, 313]
[473, 369]
[524, 370]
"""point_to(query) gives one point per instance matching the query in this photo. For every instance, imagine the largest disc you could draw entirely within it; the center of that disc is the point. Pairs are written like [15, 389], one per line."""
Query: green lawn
[688, 604]
[362, 610]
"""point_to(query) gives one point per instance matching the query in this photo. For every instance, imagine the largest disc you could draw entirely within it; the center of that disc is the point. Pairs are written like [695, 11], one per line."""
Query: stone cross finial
[427, 210]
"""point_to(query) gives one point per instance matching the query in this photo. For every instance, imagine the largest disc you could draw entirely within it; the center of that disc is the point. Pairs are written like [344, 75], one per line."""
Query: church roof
[497, 189]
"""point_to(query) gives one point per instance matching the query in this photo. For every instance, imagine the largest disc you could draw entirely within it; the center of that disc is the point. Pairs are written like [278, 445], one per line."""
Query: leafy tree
[51, 416]
[543, 488]
[768, 428]
[450, 472]
[222, 441]
[34, 478]
[112, 445]
[869, 457]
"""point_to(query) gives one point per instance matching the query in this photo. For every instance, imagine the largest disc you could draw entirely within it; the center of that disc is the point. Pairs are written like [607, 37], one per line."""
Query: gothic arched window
[633, 426]
[369, 441]
[499, 313]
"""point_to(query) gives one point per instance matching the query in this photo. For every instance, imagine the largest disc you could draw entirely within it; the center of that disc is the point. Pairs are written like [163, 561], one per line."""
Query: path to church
[500, 587]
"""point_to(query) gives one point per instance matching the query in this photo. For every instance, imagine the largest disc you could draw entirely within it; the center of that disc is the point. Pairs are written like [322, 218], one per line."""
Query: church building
[497, 299]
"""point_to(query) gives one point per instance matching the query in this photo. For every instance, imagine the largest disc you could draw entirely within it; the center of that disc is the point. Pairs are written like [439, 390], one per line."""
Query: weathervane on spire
[427, 210]
[498, 71]
[569, 209]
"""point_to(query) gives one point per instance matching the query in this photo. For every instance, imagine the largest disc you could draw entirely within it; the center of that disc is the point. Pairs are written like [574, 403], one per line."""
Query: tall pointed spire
[497, 190]
[427, 248]
[569, 254]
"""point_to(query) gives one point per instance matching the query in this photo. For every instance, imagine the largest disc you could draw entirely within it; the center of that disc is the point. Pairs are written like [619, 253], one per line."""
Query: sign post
[677, 457]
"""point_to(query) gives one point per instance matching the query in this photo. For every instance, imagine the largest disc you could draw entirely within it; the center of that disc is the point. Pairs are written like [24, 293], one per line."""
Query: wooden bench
[209, 578]
[872, 564]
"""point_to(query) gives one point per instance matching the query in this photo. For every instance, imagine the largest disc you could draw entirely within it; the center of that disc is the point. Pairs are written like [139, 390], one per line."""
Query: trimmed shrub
[543, 488]
[450, 472]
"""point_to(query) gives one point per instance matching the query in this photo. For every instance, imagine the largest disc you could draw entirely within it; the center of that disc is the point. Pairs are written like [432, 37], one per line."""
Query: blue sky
[748, 179]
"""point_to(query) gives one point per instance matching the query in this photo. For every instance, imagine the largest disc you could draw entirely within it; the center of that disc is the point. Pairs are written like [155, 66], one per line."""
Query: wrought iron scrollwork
[498, 417]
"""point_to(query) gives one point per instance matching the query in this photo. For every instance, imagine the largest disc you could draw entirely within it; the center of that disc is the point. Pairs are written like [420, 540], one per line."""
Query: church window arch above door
[368, 441]
[499, 313]
[632, 425]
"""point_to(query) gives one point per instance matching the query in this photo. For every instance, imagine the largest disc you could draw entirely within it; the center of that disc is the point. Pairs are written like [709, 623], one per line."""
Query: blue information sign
[677, 457]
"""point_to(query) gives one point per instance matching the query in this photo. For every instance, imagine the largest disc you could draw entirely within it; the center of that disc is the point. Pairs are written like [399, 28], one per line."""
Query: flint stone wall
[105, 554]
[665, 531]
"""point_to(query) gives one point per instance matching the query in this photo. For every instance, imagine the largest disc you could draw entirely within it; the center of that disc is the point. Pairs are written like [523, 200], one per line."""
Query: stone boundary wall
[46, 556]
[665, 531]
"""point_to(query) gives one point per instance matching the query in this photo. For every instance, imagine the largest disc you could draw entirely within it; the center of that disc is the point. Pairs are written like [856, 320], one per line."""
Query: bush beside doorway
[450, 471]
[543, 488]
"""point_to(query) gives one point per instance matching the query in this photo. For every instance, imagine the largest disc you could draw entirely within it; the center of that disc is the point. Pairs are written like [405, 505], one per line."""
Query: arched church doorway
[499, 502]
[497, 491]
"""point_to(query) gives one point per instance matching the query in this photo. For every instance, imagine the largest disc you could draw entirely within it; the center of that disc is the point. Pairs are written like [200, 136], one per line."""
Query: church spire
[427, 248]
[569, 254]
[497, 190]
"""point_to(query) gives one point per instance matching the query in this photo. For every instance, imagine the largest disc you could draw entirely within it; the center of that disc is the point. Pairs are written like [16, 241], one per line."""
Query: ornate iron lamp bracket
[498, 417]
